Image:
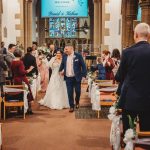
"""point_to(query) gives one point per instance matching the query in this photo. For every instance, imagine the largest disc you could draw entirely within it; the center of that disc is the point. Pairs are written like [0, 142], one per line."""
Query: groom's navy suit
[74, 82]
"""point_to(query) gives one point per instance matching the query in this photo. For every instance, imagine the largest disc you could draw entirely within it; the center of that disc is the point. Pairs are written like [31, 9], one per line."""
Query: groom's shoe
[71, 110]
[77, 106]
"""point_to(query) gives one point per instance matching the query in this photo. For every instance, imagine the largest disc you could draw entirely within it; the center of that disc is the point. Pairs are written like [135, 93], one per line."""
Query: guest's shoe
[71, 110]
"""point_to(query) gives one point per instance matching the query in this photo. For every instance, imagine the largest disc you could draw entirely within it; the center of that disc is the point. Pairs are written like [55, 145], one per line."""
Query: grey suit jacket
[9, 58]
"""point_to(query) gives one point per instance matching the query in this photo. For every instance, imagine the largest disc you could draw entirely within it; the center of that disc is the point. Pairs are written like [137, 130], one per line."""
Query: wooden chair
[13, 99]
[143, 139]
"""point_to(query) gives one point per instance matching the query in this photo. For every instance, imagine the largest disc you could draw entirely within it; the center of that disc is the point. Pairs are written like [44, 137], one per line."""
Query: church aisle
[56, 130]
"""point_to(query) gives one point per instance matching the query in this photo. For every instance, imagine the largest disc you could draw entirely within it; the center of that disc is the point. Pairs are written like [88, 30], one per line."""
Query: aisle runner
[86, 112]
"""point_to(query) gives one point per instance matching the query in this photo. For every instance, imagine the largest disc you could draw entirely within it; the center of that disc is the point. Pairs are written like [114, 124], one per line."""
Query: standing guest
[101, 69]
[48, 54]
[3, 49]
[44, 72]
[108, 64]
[134, 76]
[9, 58]
[34, 49]
[116, 58]
[53, 50]
[74, 70]
[29, 60]
[51, 54]
[19, 75]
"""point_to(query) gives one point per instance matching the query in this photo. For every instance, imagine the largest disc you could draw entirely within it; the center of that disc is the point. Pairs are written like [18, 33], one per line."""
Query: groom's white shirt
[69, 67]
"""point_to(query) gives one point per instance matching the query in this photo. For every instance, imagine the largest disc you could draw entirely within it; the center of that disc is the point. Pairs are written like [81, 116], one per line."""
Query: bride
[56, 94]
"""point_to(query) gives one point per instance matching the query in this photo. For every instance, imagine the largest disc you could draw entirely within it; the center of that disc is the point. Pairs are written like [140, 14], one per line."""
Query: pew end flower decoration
[130, 134]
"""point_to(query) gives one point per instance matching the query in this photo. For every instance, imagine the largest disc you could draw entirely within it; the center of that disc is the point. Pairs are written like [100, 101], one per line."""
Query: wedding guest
[3, 68]
[53, 50]
[19, 75]
[108, 64]
[101, 69]
[44, 72]
[134, 77]
[29, 60]
[116, 58]
[51, 54]
[34, 49]
[3, 48]
[9, 58]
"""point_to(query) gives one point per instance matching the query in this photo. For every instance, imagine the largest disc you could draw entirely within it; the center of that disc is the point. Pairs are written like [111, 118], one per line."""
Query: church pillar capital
[145, 6]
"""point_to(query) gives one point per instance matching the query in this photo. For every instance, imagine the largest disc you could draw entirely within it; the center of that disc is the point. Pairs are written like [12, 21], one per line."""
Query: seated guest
[101, 70]
[19, 74]
[29, 60]
[116, 58]
[108, 64]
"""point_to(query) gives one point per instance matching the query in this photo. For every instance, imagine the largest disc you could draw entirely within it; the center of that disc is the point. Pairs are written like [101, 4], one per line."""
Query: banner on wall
[64, 8]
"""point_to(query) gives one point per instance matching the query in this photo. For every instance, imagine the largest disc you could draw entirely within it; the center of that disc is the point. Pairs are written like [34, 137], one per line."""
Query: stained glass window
[63, 27]
[139, 15]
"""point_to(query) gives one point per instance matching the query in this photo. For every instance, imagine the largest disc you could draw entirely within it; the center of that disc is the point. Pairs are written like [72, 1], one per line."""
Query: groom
[74, 70]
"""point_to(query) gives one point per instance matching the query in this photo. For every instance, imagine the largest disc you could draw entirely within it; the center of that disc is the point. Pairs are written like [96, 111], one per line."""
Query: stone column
[27, 23]
[145, 6]
[96, 26]
[129, 14]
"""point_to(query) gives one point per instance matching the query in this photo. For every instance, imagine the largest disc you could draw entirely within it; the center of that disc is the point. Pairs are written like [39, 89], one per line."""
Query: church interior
[94, 29]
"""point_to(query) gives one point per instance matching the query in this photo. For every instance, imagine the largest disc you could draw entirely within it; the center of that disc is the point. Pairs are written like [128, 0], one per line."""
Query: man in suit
[134, 77]
[9, 58]
[29, 60]
[74, 70]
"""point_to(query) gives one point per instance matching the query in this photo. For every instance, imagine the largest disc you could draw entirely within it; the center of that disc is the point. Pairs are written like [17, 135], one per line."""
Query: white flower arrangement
[128, 139]
[115, 127]
[112, 110]
[130, 134]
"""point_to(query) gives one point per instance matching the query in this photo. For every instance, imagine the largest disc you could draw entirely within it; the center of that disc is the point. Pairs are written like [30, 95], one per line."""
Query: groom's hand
[61, 73]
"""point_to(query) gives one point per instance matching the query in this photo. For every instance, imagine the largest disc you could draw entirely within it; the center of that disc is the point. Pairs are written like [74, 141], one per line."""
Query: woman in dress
[56, 94]
[116, 58]
[19, 75]
[108, 63]
[44, 72]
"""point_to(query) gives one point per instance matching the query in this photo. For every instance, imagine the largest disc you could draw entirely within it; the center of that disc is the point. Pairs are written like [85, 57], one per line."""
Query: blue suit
[74, 82]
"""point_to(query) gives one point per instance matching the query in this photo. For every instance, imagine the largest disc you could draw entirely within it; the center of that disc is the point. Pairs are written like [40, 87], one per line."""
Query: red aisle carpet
[56, 130]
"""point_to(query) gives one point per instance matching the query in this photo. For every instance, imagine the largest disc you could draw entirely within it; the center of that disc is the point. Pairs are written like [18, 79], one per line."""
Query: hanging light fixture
[85, 28]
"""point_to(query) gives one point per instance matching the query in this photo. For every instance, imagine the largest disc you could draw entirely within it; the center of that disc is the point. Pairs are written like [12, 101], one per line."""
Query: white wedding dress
[56, 94]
